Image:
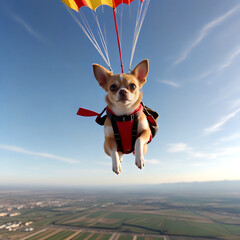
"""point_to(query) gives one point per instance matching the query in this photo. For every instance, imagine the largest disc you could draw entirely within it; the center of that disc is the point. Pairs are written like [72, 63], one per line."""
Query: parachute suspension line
[121, 25]
[105, 33]
[139, 21]
[130, 11]
[87, 31]
[105, 57]
[87, 27]
[118, 40]
[135, 32]
[102, 38]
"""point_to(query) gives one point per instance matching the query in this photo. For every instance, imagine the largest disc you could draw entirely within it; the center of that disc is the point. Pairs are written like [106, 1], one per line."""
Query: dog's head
[123, 90]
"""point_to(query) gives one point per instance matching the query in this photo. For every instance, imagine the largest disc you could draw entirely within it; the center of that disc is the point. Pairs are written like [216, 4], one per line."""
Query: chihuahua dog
[123, 99]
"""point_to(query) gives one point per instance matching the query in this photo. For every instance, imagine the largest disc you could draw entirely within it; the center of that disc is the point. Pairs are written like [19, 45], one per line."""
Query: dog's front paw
[139, 162]
[116, 167]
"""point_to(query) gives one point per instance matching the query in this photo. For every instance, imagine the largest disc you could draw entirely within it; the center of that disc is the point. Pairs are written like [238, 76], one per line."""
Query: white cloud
[43, 155]
[196, 154]
[234, 103]
[216, 127]
[205, 31]
[230, 59]
[223, 152]
[109, 163]
[183, 147]
[170, 83]
[205, 74]
[197, 165]
[230, 138]
[212, 154]
[29, 29]
[152, 161]
[178, 147]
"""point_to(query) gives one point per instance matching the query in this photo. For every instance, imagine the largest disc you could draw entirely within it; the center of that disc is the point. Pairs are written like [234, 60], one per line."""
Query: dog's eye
[113, 88]
[132, 86]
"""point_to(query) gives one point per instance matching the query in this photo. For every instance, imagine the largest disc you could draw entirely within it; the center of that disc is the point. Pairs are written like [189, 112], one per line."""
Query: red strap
[151, 120]
[86, 113]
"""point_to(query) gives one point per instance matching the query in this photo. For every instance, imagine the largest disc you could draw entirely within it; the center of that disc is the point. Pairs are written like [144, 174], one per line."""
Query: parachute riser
[118, 39]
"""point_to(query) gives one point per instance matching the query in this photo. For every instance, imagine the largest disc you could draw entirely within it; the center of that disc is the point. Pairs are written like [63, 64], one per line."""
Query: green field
[173, 223]
[125, 237]
[63, 234]
[99, 216]
[60, 235]
[41, 235]
[82, 235]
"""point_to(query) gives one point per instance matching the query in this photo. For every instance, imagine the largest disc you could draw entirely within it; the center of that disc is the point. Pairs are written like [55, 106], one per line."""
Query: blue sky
[46, 74]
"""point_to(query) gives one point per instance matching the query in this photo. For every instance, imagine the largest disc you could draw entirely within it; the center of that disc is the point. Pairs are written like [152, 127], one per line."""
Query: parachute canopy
[93, 4]
[97, 33]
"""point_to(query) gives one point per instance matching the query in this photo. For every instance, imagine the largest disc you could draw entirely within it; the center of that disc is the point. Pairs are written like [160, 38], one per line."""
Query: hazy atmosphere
[193, 83]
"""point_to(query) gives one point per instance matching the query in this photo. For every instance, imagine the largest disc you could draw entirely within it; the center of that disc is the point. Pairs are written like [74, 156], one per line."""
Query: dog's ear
[101, 74]
[141, 71]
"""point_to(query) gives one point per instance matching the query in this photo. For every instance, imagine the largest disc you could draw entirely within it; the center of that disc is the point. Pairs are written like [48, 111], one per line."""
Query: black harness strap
[134, 131]
[152, 118]
[100, 120]
[117, 134]
[124, 118]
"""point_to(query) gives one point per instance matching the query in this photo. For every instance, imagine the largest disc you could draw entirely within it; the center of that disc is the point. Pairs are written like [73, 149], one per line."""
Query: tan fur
[124, 104]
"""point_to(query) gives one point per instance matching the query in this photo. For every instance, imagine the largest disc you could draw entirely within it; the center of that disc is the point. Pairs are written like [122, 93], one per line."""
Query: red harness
[124, 127]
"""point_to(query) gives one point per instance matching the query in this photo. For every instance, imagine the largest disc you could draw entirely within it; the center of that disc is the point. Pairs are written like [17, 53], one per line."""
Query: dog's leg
[116, 165]
[111, 149]
[141, 148]
[120, 156]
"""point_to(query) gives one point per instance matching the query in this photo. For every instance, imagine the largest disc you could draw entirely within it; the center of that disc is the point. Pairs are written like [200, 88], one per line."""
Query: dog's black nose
[122, 92]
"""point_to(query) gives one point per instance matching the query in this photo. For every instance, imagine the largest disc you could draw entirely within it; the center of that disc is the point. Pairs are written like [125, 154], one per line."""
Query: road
[107, 231]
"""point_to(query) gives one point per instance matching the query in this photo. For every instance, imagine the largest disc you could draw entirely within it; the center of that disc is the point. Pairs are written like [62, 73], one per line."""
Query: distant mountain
[215, 187]
[211, 186]
[181, 187]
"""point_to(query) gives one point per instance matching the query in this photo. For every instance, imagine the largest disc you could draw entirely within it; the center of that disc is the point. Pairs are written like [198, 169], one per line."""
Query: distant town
[13, 210]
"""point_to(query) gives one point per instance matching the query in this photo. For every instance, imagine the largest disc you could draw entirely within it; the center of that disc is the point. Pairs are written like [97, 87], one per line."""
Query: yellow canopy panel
[93, 4]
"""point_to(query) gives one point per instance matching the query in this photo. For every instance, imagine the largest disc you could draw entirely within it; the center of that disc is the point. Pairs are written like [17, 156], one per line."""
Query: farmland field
[192, 224]
[99, 215]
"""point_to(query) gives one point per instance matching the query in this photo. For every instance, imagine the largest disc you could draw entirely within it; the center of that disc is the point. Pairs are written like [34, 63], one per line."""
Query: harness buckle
[117, 136]
[134, 132]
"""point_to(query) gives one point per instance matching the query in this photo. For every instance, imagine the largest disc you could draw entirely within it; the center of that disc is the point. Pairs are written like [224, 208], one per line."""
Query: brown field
[123, 216]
